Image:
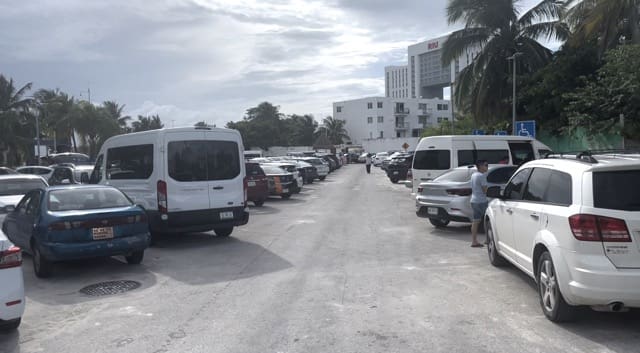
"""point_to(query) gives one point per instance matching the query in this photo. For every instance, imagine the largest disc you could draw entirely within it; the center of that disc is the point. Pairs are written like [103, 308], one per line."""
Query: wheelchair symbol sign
[526, 128]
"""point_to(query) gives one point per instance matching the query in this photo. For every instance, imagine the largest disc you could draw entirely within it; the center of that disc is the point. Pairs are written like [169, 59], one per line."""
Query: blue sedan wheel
[41, 266]
[135, 257]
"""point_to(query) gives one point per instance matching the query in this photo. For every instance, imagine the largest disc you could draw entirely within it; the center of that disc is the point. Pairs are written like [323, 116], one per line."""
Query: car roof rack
[587, 155]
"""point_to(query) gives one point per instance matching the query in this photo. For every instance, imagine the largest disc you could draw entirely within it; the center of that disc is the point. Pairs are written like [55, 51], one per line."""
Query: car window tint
[492, 156]
[559, 189]
[515, 187]
[254, 169]
[537, 185]
[223, 160]
[521, 152]
[203, 160]
[33, 207]
[500, 175]
[456, 175]
[86, 199]
[130, 162]
[96, 174]
[466, 157]
[617, 190]
[19, 186]
[543, 152]
[432, 160]
[22, 205]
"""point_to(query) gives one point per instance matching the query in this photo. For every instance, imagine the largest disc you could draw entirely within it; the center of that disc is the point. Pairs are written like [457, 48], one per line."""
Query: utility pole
[38, 137]
[513, 118]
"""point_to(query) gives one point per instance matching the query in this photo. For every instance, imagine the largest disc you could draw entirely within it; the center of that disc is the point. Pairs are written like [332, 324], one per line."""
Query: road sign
[477, 132]
[526, 128]
[500, 133]
[405, 146]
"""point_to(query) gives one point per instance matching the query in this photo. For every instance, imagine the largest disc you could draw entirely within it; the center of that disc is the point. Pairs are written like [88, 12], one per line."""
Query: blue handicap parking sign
[500, 133]
[477, 132]
[526, 128]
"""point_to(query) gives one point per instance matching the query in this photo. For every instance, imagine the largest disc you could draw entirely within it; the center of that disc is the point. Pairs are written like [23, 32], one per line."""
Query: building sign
[432, 45]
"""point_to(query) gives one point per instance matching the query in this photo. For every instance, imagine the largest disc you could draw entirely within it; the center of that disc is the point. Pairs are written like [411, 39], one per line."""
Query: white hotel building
[413, 96]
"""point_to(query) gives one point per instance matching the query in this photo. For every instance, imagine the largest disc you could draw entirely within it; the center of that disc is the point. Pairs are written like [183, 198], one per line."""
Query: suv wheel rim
[548, 285]
[491, 246]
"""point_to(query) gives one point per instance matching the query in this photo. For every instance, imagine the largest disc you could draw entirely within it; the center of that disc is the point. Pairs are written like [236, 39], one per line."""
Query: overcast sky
[192, 60]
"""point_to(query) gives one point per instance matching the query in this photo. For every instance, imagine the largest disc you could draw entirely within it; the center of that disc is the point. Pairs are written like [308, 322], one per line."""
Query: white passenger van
[188, 179]
[438, 154]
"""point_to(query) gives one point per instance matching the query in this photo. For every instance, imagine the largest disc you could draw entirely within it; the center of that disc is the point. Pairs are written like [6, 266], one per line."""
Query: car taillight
[59, 226]
[459, 192]
[245, 186]
[420, 189]
[11, 257]
[162, 197]
[137, 219]
[587, 227]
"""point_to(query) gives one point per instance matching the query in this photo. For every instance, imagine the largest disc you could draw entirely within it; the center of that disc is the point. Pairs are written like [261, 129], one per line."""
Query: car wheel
[554, 307]
[394, 180]
[10, 325]
[323, 177]
[494, 257]
[438, 223]
[310, 181]
[41, 266]
[258, 203]
[223, 232]
[285, 196]
[135, 258]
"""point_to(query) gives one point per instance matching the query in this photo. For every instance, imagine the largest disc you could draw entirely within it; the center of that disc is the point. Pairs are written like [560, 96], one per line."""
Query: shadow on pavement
[265, 209]
[9, 341]
[295, 199]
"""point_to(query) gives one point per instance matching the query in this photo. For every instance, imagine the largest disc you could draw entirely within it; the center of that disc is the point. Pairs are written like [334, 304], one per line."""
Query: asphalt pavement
[345, 266]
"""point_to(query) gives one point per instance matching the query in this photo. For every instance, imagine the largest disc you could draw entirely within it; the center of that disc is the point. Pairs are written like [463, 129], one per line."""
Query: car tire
[285, 196]
[494, 256]
[438, 223]
[42, 267]
[258, 203]
[323, 177]
[135, 258]
[223, 232]
[12, 325]
[310, 181]
[553, 305]
[394, 180]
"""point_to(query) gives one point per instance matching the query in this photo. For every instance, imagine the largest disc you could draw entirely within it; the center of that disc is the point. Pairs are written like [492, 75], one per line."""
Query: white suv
[573, 224]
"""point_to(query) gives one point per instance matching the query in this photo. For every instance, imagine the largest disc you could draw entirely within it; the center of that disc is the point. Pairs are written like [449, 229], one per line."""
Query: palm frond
[463, 40]
[549, 30]
[546, 10]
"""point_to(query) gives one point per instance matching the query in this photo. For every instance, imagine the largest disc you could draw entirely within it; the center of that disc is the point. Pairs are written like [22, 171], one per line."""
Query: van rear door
[186, 171]
[225, 169]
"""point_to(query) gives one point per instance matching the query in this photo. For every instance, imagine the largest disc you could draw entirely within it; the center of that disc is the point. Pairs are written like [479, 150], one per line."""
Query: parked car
[322, 167]
[573, 224]
[12, 289]
[67, 157]
[307, 171]
[13, 187]
[280, 181]
[448, 197]
[42, 171]
[378, 157]
[77, 221]
[257, 184]
[385, 161]
[399, 166]
[332, 164]
[188, 179]
[363, 157]
[291, 167]
[5, 171]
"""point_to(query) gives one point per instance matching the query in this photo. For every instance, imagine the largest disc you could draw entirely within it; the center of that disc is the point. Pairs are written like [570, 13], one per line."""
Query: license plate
[396, 172]
[251, 183]
[102, 233]
[432, 210]
[226, 215]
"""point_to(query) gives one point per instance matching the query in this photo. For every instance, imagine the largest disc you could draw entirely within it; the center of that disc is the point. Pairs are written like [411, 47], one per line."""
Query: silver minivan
[187, 179]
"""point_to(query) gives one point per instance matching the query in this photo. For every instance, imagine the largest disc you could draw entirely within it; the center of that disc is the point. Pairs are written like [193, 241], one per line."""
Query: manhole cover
[109, 288]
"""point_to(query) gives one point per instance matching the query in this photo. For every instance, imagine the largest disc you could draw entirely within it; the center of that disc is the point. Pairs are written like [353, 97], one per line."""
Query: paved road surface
[343, 267]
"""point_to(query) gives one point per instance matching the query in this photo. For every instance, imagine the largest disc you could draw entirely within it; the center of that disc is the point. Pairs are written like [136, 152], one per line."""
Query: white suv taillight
[11, 257]
[588, 227]
[162, 197]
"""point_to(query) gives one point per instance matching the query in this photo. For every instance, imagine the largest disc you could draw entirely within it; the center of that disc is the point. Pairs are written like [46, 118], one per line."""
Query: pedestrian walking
[367, 163]
[479, 201]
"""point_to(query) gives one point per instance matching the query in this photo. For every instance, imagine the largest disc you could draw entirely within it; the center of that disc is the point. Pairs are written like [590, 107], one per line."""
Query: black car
[399, 166]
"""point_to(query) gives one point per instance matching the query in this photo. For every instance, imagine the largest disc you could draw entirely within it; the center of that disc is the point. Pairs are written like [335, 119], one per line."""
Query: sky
[211, 60]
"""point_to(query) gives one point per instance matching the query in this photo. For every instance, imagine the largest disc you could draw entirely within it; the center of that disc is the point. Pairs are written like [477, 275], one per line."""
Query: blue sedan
[75, 222]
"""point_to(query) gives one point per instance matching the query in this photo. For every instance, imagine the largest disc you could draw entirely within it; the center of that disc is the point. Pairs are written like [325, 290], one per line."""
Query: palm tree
[497, 31]
[610, 21]
[145, 123]
[56, 109]
[14, 111]
[334, 130]
[114, 111]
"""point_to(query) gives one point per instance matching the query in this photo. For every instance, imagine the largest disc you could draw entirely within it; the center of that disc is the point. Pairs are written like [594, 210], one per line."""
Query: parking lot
[344, 266]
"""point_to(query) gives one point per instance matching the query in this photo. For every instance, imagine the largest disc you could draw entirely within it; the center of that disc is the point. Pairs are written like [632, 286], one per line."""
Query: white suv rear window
[617, 190]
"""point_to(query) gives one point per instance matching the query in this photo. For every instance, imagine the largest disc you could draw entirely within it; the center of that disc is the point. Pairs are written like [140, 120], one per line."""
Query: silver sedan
[448, 197]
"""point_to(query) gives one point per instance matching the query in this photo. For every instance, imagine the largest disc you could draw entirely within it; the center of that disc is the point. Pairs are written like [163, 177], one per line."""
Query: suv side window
[537, 185]
[559, 190]
[515, 188]
[501, 175]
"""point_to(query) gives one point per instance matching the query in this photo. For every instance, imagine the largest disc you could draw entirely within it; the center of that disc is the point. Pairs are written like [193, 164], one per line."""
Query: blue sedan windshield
[86, 199]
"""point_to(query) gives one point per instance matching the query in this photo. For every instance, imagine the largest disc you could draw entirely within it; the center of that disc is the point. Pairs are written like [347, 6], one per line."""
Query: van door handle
[218, 187]
[535, 216]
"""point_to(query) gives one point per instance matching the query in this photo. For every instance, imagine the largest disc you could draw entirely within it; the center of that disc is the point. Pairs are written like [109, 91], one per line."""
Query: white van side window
[203, 160]
[432, 160]
[130, 162]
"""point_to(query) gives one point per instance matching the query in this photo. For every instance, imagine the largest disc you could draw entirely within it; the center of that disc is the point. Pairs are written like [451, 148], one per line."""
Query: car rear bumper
[97, 248]
[197, 221]
[447, 211]
[593, 280]
[12, 291]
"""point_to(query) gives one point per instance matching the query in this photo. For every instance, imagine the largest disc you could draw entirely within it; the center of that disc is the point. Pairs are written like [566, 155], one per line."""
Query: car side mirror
[495, 192]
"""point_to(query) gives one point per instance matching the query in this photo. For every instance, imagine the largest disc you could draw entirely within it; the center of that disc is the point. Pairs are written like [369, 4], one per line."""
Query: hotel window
[370, 120]
[442, 119]
[339, 109]
[379, 104]
[381, 119]
[422, 106]
[381, 134]
[443, 106]
[369, 105]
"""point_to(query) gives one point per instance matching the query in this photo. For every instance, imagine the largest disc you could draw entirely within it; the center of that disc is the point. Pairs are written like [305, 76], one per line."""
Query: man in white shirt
[479, 201]
[367, 162]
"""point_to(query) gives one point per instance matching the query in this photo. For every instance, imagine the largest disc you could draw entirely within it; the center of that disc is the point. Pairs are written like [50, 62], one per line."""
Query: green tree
[300, 129]
[145, 123]
[334, 130]
[611, 22]
[16, 135]
[55, 109]
[93, 125]
[114, 111]
[615, 90]
[496, 29]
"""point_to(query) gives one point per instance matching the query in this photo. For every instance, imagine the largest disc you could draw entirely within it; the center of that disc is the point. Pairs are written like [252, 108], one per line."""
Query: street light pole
[513, 117]
[38, 136]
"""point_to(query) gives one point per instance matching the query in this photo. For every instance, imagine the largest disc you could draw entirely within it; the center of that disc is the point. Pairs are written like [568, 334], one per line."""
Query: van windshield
[203, 160]
[432, 160]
